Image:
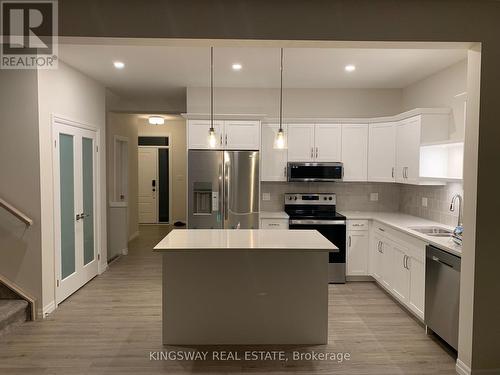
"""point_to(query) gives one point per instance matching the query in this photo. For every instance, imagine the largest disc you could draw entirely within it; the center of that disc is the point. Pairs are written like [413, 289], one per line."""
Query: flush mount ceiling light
[156, 120]
[350, 68]
[119, 64]
[237, 66]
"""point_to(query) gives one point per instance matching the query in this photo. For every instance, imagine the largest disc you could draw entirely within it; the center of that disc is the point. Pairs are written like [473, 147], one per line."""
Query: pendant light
[212, 138]
[279, 141]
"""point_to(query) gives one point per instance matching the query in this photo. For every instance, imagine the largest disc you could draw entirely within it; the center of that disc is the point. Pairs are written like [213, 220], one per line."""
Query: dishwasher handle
[442, 257]
[436, 259]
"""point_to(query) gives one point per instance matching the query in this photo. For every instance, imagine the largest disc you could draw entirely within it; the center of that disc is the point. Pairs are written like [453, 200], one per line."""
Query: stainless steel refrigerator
[223, 189]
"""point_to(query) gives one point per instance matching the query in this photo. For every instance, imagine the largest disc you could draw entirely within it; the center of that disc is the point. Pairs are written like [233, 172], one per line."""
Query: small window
[153, 141]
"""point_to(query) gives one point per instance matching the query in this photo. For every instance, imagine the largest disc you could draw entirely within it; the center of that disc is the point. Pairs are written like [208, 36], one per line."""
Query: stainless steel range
[318, 211]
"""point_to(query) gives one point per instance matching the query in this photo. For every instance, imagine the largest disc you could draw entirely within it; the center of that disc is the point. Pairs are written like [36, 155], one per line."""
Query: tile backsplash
[351, 196]
[355, 196]
[438, 202]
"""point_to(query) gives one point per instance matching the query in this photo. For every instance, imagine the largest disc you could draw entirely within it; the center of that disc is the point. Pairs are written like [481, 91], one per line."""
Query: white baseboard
[102, 268]
[125, 251]
[48, 308]
[462, 368]
[133, 236]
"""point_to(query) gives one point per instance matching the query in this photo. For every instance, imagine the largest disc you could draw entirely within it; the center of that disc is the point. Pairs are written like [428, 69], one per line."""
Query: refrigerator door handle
[226, 188]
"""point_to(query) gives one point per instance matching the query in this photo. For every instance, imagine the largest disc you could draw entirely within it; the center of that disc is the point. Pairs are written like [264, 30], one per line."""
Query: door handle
[78, 217]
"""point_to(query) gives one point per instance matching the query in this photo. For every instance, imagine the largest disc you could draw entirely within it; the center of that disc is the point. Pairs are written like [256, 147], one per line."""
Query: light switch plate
[374, 197]
[266, 196]
[424, 202]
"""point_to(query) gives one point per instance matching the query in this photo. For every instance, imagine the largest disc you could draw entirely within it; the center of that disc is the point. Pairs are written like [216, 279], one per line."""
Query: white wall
[440, 90]
[72, 95]
[20, 247]
[298, 102]
[132, 125]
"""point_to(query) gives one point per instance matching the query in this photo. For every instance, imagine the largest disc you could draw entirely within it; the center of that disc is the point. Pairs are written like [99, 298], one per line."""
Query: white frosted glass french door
[75, 162]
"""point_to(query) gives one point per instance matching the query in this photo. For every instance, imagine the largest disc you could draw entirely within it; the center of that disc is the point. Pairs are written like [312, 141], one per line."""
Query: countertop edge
[373, 216]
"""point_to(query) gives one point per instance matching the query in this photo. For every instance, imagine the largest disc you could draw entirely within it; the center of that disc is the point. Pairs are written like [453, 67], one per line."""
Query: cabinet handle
[392, 172]
[381, 247]
[312, 152]
[221, 140]
[284, 171]
[349, 241]
[407, 263]
[226, 139]
[381, 229]
[404, 261]
[317, 152]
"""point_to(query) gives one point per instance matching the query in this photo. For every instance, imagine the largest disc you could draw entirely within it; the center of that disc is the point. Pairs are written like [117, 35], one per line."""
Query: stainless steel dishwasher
[442, 294]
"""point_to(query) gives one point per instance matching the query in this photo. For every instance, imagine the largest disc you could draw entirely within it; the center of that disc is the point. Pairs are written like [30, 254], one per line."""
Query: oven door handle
[317, 222]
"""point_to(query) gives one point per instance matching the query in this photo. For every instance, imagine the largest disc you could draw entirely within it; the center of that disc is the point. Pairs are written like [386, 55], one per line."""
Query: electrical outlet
[374, 197]
[266, 196]
[424, 202]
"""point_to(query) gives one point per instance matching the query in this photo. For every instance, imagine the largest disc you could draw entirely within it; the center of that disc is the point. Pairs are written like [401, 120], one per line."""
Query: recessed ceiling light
[119, 64]
[237, 66]
[156, 120]
[350, 68]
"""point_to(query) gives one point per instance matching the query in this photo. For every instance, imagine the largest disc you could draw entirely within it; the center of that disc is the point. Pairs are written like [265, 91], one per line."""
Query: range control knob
[295, 198]
[290, 198]
[330, 198]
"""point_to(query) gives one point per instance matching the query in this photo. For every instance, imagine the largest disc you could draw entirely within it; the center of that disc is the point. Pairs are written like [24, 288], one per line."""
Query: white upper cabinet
[314, 142]
[273, 161]
[355, 151]
[301, 142]
[242, 135]
[328, 142]
[198, 134]
[382, 152]
[408, 150]
[231, 135]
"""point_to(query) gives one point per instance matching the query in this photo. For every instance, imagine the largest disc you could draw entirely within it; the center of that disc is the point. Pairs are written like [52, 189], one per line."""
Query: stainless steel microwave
[310, 172]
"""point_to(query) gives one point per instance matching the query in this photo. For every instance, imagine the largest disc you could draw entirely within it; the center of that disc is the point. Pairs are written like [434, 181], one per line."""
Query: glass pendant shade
[279, 140]
[212, 139]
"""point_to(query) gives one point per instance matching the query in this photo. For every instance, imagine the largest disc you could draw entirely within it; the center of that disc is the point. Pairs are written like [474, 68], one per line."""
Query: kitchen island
[244, 286]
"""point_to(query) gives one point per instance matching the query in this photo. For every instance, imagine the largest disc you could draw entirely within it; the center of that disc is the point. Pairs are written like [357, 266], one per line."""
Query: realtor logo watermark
[29, 35]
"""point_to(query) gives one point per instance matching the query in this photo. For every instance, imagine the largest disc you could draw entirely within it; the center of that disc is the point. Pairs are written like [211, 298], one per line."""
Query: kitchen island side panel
[245, 297]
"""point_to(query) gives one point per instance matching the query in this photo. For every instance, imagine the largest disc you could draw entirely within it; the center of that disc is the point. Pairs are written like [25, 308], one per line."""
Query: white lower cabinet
[358, 243]
[273, 223]
[397, 262]
[416, 299]
[401, 277]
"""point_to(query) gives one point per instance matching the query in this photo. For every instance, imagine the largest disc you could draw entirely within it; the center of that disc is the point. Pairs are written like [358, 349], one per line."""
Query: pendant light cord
[212, 89]
[281, 91]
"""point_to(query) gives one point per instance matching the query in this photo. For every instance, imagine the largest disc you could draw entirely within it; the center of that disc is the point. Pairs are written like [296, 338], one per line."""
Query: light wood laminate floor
[111, 325]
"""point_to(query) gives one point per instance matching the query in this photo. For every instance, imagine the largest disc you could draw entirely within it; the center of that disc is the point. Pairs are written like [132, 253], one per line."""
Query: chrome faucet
[452, 207]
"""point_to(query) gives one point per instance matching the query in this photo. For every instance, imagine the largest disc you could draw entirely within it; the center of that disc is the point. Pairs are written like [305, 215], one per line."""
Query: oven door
[335, 232]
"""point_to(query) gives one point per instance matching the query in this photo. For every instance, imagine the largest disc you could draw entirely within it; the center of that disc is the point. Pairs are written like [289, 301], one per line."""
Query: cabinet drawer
[273, 223]
[357, 225]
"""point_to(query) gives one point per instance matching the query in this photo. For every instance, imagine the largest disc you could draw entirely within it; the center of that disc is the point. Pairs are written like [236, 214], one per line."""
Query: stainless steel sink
[433, 231]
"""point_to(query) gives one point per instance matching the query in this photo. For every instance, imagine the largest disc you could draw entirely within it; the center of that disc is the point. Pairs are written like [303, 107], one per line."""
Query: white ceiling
[167, 70]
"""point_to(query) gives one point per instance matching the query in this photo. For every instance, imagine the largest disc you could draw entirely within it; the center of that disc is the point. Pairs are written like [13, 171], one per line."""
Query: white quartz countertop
[402, 222]
[244, 239]
[273, 215]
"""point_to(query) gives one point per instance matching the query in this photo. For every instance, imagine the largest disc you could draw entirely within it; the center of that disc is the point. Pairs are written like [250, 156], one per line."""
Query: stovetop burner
[319, 206]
